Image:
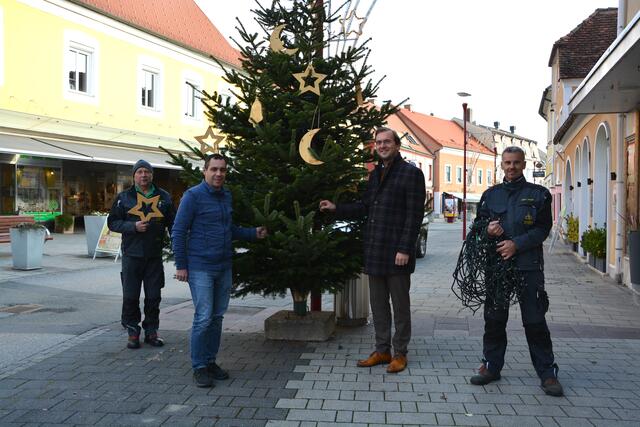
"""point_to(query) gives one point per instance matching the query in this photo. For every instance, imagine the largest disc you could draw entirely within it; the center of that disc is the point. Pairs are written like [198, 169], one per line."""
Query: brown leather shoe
[374, 359]
[398, 364]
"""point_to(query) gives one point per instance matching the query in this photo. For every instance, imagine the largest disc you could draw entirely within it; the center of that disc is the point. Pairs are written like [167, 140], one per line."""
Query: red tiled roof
[180, 21]
[580, 49]
[395, 123]
[445, 132]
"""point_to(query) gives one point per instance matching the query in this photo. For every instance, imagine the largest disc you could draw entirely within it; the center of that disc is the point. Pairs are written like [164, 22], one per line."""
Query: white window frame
[448, 180]
[489, 181]
[189, 77]
[151, 65]
[479, 176]
[459, 175]
[80, 42]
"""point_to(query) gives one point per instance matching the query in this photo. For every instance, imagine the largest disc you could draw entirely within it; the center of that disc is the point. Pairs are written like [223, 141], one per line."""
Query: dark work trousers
[135, 271]
[380, 289]
[535, 327]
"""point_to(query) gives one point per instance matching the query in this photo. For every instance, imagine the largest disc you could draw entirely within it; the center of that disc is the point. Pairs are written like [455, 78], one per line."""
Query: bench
[10, 221]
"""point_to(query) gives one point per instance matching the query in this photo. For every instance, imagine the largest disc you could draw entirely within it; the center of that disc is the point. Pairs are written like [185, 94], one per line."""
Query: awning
[613, 85]
[44, 147]
[471, 197]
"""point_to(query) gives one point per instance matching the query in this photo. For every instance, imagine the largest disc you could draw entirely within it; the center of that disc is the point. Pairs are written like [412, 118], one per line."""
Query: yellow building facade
[84, 94]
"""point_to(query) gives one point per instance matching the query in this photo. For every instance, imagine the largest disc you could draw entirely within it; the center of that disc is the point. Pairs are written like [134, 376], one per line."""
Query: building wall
[36, 84]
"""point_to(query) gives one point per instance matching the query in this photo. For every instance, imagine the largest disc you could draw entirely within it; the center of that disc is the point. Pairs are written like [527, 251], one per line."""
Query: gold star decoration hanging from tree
[153, 211]
[309, 73]
[346, 22]
[210, 142]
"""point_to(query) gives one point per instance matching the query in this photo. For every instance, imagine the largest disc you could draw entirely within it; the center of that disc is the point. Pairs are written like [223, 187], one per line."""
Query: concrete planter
[27, 245]
[285, 325]
[600, 264]
[92, 227]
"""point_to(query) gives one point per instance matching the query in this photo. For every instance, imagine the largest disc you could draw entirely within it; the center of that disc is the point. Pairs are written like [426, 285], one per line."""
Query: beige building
[592, 109]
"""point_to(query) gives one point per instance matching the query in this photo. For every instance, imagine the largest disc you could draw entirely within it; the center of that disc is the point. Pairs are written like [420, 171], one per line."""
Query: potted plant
[587, 243]
[573, 231]
[27, 245]
[599, 248]
[64, 223]
[93, 224]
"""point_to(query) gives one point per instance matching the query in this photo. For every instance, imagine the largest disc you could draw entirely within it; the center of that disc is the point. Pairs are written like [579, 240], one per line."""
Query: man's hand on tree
[327, 206]
[261, 232]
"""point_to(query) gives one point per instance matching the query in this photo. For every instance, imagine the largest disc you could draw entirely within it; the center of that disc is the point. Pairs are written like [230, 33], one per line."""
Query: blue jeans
[210, 292]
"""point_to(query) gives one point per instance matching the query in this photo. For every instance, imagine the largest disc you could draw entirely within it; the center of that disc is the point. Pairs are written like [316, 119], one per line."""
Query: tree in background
[295, 102]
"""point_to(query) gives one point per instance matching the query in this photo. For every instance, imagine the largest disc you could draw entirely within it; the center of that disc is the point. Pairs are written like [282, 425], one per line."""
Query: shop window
[7, 188]
[39, 189]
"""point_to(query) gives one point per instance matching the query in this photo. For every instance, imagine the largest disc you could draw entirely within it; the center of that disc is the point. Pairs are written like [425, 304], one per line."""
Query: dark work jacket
[141, 245]
[524, 211]
[393, 208]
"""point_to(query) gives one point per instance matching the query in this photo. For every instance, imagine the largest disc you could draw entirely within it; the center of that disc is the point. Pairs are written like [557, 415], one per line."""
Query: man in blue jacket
[142, 214]
[201, 238]
[520, 215]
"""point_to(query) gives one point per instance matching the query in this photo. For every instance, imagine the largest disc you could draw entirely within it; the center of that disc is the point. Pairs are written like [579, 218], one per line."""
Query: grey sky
[497, 50]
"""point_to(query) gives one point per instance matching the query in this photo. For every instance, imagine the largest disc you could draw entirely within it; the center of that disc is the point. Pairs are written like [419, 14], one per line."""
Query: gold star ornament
[347, 21]
[309, 73]
[209, 142]
[153, 212]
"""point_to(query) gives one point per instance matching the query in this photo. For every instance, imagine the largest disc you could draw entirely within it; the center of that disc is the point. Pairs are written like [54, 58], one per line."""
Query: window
[150, 86]
[447, 173]
[80, 64]
[479, 176]
[430, 172]
[459, 174]
[489, 177]
[150, 82]
[192, 100]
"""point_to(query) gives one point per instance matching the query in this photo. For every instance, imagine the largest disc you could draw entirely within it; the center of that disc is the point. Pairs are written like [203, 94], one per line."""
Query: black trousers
[381, 288]
[535, 327]
[135, 272]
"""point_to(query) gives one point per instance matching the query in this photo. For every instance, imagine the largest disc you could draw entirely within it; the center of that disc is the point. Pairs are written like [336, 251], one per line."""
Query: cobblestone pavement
[595, 326]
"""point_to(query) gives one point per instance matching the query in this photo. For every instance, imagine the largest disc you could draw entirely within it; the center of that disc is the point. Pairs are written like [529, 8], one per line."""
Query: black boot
[134, 336]
[152, 338]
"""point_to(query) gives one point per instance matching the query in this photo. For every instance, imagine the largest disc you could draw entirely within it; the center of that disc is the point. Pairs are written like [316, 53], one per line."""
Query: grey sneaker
[202, 378]
[484, 376]
[552, 387]
[216, 372]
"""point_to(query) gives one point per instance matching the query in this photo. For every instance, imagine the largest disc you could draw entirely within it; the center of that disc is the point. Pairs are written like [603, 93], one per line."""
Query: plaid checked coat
[393, 206]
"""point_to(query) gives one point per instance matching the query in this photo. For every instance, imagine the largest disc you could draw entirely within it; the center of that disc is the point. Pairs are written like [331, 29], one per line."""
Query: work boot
[552, 387]
[153, 339]
[202, 378]
[375, 358]
[484, 376]
[216, 372]
[398, 364]
[133, 342]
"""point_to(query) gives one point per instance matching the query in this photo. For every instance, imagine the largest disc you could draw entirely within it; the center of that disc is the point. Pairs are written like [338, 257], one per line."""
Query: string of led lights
[482, 276]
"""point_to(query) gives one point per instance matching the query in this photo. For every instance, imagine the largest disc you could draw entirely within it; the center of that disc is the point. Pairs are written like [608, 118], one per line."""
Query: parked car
[421, 243]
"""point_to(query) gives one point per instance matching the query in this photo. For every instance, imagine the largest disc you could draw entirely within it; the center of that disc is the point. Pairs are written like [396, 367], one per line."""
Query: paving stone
[411, 418]
[311, 415]
[369, 417]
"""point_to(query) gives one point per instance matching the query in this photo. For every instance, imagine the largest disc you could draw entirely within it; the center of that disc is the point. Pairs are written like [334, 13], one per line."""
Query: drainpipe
[620, 196]
[620, 173]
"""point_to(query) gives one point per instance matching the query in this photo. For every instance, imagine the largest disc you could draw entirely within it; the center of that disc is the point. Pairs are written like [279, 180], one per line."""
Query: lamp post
[464, 167]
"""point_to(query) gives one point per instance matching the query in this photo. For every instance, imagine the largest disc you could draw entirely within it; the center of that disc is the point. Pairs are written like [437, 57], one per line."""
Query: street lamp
[464, 167]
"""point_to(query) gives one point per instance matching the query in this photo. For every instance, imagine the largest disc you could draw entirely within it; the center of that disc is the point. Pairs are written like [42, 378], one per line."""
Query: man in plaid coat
[393, 205]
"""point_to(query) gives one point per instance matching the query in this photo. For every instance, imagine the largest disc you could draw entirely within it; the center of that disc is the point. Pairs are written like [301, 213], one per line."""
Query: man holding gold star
[142, 214]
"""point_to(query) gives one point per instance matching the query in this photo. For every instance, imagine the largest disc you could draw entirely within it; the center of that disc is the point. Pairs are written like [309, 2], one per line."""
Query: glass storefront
[7, 189]
[39, 188]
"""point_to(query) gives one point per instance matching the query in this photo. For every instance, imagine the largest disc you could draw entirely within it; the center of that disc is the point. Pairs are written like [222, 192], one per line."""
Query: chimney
[407, 107]
[512, 129]
[496, 125]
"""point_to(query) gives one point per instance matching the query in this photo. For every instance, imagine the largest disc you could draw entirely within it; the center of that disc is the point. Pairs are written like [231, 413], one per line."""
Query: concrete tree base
[286, 325]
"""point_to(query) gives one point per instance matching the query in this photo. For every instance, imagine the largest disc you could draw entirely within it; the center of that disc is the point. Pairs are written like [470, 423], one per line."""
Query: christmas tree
[298, 133]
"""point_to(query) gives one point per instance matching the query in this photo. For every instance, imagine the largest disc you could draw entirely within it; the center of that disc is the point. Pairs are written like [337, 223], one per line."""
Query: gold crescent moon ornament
[255, 115]
[305, 144]
[275, 42]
